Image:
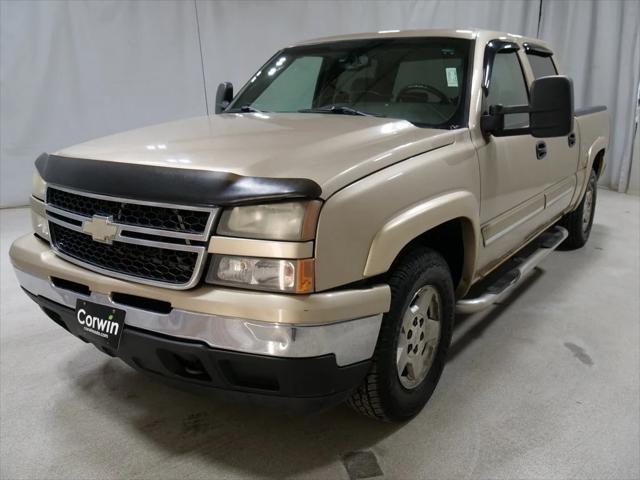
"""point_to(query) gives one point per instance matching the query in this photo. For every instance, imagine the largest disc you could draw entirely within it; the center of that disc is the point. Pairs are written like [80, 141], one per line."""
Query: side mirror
[550, 111]
[551, 107]
[224, 95]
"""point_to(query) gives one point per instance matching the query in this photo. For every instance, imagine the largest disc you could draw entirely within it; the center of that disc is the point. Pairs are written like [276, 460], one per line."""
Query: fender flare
[599, 144]
[412, 222]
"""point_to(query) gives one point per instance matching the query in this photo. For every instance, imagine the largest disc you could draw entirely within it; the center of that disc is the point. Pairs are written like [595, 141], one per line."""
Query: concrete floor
[545, 385]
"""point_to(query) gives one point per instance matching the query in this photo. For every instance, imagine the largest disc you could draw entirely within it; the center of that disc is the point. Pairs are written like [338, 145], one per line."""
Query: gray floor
[543, 386]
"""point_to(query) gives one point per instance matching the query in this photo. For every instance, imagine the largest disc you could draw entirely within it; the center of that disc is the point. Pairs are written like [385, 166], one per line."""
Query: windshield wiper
[339, 110]
[244, 109]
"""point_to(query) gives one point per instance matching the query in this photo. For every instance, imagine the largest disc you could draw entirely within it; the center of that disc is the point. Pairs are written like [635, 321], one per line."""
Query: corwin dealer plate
[100, 324]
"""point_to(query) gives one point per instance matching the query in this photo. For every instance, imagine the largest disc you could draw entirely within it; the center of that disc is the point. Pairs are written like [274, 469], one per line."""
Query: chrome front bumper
[350, 341]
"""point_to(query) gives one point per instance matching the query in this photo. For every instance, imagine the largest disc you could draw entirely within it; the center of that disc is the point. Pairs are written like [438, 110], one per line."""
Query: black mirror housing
[550, 111]
[224, 95]
[551, 107]
[492, 123]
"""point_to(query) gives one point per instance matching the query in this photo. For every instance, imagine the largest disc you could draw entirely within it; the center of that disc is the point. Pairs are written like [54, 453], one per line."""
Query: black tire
[382, 395]
[578, 226]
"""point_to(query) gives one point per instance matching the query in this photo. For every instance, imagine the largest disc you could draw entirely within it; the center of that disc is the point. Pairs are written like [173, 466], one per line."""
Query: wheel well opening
[598, 163]
[448, 240]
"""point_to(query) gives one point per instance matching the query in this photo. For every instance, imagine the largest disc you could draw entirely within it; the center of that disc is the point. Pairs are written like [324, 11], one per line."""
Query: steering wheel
[359, 94]
[421, 87]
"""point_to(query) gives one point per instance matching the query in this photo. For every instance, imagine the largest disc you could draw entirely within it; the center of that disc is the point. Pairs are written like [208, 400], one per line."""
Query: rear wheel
[579, 222]
[413, 341]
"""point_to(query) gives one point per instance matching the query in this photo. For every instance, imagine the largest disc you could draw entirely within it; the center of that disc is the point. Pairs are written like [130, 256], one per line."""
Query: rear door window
[541, 66]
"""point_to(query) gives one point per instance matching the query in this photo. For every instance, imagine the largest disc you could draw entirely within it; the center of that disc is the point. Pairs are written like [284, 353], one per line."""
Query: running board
[501, 287]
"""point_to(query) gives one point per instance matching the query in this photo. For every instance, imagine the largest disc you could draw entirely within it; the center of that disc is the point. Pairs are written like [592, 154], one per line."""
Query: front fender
[359, 224]
[420, 218]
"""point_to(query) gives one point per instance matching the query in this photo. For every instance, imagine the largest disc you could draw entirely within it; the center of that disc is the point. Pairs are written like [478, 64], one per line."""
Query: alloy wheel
[419, 337]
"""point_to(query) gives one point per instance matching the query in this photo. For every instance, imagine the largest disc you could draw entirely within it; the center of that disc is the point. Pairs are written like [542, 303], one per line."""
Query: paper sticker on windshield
[452, 77]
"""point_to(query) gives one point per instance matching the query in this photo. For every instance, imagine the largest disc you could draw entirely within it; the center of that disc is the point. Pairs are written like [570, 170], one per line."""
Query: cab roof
[470, 34]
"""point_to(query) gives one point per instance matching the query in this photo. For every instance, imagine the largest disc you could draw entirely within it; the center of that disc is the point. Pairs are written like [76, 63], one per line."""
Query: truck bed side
[592, 129]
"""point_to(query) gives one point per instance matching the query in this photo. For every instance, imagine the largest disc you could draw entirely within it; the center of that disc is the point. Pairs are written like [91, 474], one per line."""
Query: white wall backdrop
[239, 36]
[71, 71]
[598, 44]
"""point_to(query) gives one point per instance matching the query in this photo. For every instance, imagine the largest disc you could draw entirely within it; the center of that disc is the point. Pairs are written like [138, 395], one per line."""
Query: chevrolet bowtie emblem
[101, 229]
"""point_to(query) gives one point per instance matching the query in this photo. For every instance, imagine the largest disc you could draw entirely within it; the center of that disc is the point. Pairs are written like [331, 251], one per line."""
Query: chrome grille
[150, 216]
[156, 244]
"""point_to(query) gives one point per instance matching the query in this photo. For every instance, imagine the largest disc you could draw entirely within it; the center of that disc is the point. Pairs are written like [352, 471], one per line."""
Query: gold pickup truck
[311, 242]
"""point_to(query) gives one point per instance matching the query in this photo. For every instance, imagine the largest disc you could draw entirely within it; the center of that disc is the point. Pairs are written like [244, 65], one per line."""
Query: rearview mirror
[550, 111]
[551, 107]
[224, 95]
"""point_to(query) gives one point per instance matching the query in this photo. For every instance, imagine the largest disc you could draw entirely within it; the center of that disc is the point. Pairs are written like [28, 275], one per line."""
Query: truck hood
[332, 150]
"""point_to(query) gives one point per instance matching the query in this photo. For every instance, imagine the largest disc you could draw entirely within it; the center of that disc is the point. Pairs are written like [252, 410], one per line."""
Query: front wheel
[413, 341]
[579, 222]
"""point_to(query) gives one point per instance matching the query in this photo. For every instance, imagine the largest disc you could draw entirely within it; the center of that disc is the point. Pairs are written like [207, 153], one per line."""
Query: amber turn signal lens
[305, 275]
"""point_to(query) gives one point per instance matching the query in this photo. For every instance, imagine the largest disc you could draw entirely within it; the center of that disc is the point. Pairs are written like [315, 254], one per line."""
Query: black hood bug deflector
[170, 185]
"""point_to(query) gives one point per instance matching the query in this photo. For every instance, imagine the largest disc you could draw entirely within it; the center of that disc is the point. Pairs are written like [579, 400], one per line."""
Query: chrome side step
[499, 289]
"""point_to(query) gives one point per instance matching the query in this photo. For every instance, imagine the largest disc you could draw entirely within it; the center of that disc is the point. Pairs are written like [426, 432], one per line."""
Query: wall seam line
[539, 18]
[204, 78]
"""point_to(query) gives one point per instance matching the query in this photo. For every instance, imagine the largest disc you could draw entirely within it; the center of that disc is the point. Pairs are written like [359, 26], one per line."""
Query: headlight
[292, 276]
[294, 221]
[38, 186]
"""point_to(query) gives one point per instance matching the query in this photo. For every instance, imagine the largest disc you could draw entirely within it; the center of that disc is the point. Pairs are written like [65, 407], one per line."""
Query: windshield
[422, 80]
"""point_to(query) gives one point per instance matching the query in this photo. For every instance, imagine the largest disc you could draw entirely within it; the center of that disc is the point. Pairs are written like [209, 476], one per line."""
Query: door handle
[571, 139]
[541, 150]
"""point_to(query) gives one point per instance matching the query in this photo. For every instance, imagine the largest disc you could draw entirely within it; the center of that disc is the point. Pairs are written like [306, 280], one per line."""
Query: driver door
[513, 175]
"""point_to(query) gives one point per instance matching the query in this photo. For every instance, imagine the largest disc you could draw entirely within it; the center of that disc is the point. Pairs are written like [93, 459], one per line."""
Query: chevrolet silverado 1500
[311, 242]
